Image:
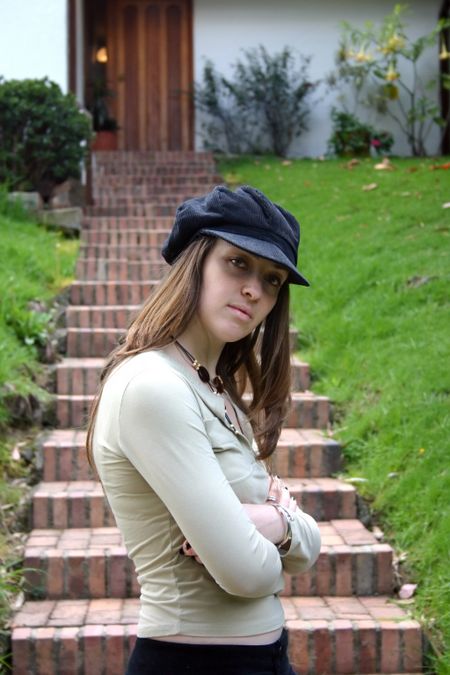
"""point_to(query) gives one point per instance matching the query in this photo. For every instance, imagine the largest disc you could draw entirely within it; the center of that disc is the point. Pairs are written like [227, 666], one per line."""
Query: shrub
[351, 137]
[262, 108]
[43, 135]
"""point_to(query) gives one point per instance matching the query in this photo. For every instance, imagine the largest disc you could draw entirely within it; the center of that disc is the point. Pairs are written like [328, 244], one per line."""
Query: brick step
[327, 635]
[96, 342]
[157, 157]
[110, 292]
[149, 223]
[110, 269]
[300, 454]
[157, 179]
[81, 375]
[125, 237]
[133, 209]
[99, 253]
[64, 504]
[93, 563]
[112, 199]
[307, 410]
[148, 191]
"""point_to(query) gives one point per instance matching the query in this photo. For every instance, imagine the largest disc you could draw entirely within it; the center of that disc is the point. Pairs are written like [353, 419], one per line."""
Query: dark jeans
[155, 657]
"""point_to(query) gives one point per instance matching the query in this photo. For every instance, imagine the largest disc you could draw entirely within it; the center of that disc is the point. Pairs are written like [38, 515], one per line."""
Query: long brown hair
[262, 358]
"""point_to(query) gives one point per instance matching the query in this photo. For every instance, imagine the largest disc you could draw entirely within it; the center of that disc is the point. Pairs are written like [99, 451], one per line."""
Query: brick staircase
[81, 612]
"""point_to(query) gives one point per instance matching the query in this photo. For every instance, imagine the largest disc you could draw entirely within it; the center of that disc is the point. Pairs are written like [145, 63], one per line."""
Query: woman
[181, 453]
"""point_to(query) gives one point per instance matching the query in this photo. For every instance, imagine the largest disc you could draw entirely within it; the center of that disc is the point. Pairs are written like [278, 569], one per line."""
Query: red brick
[115, 655]
[344, 646]
[45, 648]
[92, 645]
[22, 646]
[322, 648]
[411, 637]
[70, 656]
[390, 647]
[367, 653]
[300, 637]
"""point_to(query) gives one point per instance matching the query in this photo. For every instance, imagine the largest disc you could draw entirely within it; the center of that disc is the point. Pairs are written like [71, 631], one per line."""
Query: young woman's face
[238, 292]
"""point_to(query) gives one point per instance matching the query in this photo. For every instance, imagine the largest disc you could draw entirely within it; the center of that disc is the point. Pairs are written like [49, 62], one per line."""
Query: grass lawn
[375, 327]
[35, 265]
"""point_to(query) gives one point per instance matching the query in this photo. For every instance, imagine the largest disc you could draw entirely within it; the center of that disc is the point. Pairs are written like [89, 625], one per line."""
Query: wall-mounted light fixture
[101, 55]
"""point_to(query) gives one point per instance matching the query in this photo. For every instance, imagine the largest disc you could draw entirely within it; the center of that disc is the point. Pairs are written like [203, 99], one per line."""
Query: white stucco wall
[313, 28]
[33, 40]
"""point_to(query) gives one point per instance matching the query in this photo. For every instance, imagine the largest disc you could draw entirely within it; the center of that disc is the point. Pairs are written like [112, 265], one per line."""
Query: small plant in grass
[43, 136]
[382, 66]
[352, 138]
[262, 108]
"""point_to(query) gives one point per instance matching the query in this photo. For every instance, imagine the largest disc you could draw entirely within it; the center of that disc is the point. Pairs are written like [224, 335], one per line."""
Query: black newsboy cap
[245, 218]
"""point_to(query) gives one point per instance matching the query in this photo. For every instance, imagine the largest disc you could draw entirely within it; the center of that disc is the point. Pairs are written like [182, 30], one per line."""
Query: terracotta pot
[104, 140]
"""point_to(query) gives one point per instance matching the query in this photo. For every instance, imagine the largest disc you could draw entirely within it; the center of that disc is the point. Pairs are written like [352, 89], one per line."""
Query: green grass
[375, 327]
[35, 265]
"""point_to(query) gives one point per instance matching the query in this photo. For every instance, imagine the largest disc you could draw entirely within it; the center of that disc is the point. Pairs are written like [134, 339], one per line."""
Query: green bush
[262, 108]
[353, 138]
[43, 135]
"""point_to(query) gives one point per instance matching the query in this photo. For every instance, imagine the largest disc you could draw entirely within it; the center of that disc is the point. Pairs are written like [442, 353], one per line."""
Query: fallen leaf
[445, 166]
[417, 281]
[412, 169]
[369, 187]
[352, 163]
[377, 533]
[407, 591]
[286, 162]
[385, 165]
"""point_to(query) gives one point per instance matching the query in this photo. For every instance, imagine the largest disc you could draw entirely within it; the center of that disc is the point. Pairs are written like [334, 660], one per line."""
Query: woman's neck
[206, 351]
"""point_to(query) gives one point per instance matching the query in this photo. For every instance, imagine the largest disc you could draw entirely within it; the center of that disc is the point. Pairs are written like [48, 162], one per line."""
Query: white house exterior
[47, 38]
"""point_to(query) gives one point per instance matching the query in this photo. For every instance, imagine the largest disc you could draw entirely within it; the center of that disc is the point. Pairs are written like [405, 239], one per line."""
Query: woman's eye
[274, 280]
[238, 262]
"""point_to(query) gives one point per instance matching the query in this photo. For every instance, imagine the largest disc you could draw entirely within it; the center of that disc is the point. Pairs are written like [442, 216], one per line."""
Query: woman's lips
[240, 311]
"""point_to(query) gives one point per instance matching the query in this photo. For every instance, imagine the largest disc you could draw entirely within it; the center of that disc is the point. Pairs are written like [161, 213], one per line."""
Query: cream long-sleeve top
[173, 469]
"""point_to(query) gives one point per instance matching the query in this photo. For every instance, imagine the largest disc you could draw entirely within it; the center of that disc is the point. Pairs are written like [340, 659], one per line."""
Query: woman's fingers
[187, 550]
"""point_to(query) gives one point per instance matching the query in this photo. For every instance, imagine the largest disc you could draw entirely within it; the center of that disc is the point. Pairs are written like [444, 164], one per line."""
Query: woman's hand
[268, 521]
[279, 494]
[187, 550]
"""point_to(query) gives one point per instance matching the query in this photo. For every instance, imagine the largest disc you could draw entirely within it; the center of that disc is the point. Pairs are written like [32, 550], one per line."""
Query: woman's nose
[252, 288]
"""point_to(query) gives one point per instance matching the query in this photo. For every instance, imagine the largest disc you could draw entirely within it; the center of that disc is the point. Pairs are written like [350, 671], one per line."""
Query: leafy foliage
[351, 137]
[43, 135]
[383, 68]
[262, 108]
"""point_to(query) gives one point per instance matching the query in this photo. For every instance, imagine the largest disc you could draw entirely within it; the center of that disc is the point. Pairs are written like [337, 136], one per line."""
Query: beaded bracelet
[285, 544]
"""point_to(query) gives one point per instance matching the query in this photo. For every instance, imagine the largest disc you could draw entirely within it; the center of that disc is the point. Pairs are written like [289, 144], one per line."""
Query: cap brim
[264, 249]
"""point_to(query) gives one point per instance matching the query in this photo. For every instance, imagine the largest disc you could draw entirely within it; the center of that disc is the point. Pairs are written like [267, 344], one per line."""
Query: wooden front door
[150, 69]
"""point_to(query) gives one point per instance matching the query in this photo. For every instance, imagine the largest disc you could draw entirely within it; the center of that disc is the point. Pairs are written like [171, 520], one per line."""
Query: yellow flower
[392, 74]
[444, 55]
[362, 57]
[395, 42]
[421, 451]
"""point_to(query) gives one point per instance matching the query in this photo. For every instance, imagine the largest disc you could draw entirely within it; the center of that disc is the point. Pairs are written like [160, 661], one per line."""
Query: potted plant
[105, 126]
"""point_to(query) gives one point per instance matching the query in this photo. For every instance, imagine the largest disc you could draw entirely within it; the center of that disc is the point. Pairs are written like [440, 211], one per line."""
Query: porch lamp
[101, 55]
